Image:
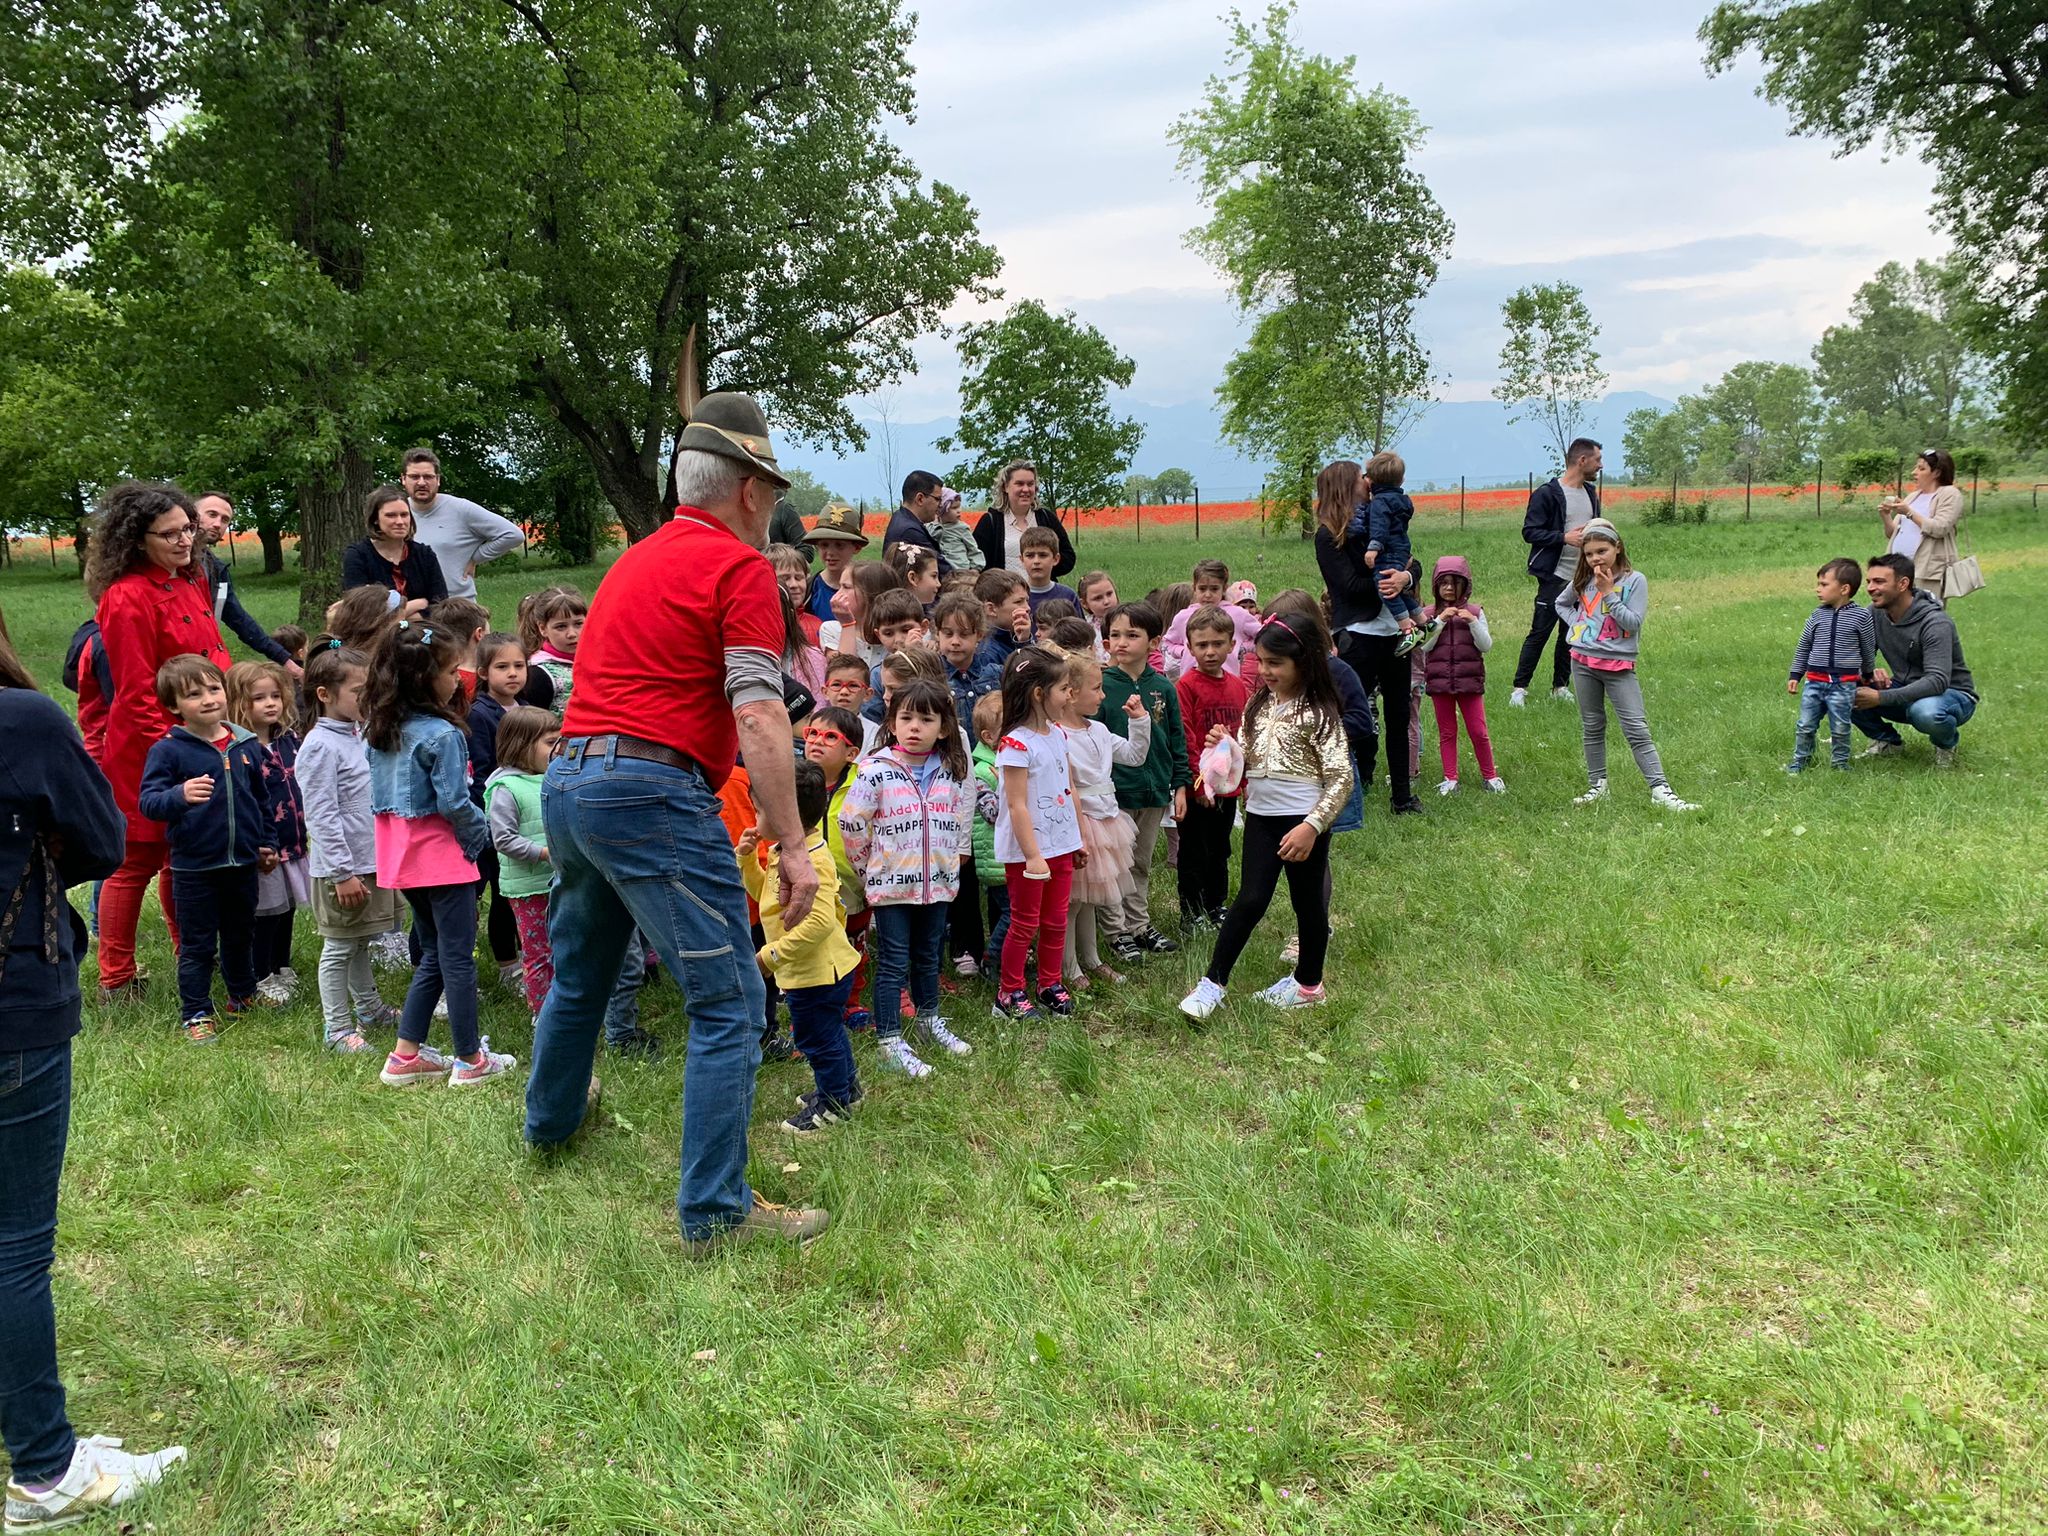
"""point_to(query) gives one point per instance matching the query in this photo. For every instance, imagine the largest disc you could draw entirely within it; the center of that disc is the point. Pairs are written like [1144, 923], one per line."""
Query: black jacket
[988, 533]
[362, 566]
[904, 528]
[1543, 525]
[59, 827]
[786, 526]
[1354, 591]
[234, 618]
[226, 830]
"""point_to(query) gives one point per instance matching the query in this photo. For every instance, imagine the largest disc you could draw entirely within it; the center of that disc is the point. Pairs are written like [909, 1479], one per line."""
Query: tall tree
[288, 197]
[1035, 385]
[59, 405]
[1549, 371]
[1326, 234]
[1903, 362]
[723, 166]
[1174, 485]
[1761, 422]
[1966, 85]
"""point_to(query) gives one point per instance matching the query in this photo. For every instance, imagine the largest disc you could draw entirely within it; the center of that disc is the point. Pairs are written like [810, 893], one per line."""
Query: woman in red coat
[154, 603]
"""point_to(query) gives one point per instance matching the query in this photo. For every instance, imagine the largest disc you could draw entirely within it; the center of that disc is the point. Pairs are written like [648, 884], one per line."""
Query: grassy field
[1642, 1175]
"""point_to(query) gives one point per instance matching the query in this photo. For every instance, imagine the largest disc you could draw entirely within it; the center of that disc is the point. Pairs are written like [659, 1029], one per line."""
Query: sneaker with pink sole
[424, 1066]
[488, 1064]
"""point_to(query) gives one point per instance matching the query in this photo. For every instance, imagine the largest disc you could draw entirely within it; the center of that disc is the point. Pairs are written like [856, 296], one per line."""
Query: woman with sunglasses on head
[1923, 526]
[153, 604]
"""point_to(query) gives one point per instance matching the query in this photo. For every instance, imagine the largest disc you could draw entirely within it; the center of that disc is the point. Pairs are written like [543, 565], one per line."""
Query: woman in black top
[388, 557]
[59, 827]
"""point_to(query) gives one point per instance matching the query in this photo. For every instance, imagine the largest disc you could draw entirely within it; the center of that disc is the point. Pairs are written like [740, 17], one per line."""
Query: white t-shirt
[1907, 539]
[1013, 557]
[1043, 756]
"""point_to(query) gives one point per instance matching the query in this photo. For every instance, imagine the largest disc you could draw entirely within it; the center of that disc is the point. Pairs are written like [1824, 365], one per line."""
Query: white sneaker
[944, 1038]
[441, 1008]
[1289, 993]
[1448, 787]
[512, 977]
[1291, 950]
[896, 1052]
[1664, 796]
[1518, 699]
[274, 989]
[1562, 693]
[1497, 785]
[966, 965]
[1597, 792]
[492, 1064]
[390, 952]
[1203, 1001]
[1944, 757]
[1883, 749]
[100, 1476]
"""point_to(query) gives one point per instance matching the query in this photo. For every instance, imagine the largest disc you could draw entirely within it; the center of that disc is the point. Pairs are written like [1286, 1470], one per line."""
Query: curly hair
[404, 668]
[125, 514]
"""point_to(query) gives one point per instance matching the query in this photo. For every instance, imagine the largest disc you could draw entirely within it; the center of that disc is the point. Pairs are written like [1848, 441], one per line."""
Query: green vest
[522, 877]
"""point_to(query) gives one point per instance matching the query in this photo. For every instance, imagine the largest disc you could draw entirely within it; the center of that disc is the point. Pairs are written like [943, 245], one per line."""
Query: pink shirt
[418, 851]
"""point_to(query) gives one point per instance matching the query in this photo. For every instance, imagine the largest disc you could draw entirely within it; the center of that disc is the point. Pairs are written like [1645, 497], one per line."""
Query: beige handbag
[1962, 577]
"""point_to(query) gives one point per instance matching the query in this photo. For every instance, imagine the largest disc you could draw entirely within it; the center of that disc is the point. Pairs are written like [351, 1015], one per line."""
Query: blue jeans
[1835, 700]
[622, 1013]
[1940, 719]
[817, 1018]
[35, 1113]
[908, 943]
[444, 922]
[638, 844]
[222, 905]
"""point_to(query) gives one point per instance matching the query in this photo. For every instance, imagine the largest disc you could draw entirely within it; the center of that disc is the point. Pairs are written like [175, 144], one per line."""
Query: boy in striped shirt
[1835, 653]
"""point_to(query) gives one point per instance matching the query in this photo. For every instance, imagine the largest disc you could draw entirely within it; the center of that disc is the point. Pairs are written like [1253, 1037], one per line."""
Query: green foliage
[1901, 369]
[1139, 490]
[1758, 421]
[1868, 467]
[58, 407]
[1963, 87]
[806, 493]
[1328, 235]
[1664, 512]
[1035, 385]
[729, 170]
[1174, 485]
[1550, 371]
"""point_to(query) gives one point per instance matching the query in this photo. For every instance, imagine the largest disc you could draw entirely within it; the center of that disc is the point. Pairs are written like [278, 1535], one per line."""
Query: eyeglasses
[182, 535]
[825, 736]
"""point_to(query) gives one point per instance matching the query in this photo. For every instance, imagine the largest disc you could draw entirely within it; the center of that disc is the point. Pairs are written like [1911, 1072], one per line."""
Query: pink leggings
[531, 914]
[1473, 707]
[1038, 909]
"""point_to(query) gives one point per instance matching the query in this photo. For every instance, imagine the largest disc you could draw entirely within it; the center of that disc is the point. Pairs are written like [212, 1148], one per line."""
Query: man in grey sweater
[461, 534]
[1924, 682]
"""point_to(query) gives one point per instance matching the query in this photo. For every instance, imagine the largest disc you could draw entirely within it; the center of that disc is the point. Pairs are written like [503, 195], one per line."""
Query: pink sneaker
[406, 1071]
[488, 1064]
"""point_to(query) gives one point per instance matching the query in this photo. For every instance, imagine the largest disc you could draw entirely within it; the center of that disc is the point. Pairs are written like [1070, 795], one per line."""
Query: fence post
[53, 551]
[1748, 485]
[1139, 509]
[1532, 482]
[1198, 514]
[1820, 468]
[231, 541]
[1674, 493]
[1461, 501]
[1973, 496]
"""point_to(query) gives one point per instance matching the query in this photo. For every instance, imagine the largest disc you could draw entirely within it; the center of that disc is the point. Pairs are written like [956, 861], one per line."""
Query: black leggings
[1372, 658]
[502, 925]
[1257, 881]
[270, 943]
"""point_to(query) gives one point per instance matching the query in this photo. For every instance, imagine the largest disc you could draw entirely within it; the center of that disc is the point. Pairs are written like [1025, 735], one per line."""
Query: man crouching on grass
[1924, 682]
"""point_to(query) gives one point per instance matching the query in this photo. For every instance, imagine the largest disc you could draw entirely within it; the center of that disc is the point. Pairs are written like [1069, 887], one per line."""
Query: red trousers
[121, 908]
[1473, 707]
[1038, 910]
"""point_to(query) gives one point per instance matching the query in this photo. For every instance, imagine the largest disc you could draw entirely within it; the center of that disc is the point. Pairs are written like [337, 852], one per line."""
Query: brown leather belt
[639, 748]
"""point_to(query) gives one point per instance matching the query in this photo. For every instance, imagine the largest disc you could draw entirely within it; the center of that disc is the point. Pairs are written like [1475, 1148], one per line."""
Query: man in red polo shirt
[678, 670]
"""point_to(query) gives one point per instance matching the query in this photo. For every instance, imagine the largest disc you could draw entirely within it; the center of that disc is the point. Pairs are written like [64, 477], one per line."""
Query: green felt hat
[837, 521]
[731, 425]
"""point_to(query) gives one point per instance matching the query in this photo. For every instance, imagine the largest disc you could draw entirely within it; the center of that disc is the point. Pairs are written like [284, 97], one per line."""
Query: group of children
[987, 764]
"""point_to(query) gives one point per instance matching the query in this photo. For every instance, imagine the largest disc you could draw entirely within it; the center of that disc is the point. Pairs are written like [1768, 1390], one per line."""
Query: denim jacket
[429, 776]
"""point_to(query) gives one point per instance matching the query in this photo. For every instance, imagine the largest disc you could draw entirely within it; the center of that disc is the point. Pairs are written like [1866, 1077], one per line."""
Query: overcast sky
[1586, 144]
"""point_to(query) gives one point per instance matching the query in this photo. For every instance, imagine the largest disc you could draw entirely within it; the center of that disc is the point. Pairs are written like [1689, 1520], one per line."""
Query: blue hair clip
[426, 636]
[334, 645]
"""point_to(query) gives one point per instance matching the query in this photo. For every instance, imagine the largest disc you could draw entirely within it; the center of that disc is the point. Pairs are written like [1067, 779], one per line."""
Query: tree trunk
[272, 539]
[81, 526]
[329, 520]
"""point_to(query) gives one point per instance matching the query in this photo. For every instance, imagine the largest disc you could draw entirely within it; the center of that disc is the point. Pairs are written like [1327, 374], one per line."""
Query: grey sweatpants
[1136, 915]
[1596, 690]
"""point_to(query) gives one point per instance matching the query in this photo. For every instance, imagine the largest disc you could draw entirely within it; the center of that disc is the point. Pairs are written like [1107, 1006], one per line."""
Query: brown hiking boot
[766, 1219]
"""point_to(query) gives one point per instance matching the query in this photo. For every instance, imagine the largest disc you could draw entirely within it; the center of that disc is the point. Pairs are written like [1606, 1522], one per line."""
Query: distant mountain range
[1473, 438]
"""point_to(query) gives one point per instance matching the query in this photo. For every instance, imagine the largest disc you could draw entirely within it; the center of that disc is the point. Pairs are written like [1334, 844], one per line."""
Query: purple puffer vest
[1454, 664]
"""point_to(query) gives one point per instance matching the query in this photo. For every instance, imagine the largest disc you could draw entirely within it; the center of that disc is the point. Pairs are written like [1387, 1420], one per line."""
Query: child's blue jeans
[908, 944]
[1835, 700]
[817, 1018]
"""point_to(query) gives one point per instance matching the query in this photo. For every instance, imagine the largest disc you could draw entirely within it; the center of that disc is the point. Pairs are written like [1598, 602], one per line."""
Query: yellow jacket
[815, 953]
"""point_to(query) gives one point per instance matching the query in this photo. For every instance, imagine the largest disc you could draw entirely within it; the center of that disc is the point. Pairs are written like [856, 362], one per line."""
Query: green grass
[1642, 1175]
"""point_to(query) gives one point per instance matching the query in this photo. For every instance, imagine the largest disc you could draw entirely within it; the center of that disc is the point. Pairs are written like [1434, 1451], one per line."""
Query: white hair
[704, 479]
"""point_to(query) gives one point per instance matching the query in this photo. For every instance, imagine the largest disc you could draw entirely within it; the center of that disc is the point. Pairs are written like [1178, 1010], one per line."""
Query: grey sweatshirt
[333, 771]
[1610, 631]
[1921, 650]
[462, 534]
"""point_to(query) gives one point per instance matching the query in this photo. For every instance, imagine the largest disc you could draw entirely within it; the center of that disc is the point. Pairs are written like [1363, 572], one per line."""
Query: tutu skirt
[1106, 878]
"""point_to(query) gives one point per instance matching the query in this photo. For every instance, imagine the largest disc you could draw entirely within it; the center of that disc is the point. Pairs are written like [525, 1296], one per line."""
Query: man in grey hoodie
[1924, 682]
[461, 534]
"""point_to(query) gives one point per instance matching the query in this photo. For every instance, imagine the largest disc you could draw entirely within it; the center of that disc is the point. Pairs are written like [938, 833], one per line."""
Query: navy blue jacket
[234, 618]
[904, 528]
[486, 714]
[362, 566]
[227, 830]
[1543, 525]
[59, 827]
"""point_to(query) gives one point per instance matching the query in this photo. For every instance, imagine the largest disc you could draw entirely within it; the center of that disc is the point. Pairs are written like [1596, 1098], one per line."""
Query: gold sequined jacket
[1283, 743]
